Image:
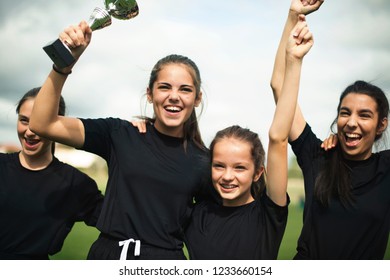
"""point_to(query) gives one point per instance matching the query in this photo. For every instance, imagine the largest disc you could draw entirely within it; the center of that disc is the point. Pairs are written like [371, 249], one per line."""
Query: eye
[217, 166]
[240, 167]
[163, 87]
[366, 115]
[186, 89]
[24, 120]
[344, 113]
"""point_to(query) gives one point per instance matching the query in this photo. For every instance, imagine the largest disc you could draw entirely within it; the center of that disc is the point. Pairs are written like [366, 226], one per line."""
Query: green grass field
[80, 239]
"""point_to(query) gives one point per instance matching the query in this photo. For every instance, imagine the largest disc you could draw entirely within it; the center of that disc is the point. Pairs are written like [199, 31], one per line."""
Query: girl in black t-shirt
[347, 194]
[40, 197]
[153, 177]
[251, 221]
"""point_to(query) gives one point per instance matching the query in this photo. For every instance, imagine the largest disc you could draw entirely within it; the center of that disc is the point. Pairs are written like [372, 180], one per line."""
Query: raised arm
[297, 7]
[299, 42]
[44, 118]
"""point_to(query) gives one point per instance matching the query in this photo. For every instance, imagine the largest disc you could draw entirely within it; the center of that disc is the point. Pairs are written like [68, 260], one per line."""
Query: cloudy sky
[232, 42]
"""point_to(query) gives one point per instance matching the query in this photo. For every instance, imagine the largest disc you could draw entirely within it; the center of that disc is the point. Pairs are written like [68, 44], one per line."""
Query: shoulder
[264, 200]
[385, 154]
[8, 157]
[3, 157]
[204, 206]
[104, 128]
[307, 132]
[199, 152]
[307, 143]
[68, 170]
[104, 122]
[384, 158]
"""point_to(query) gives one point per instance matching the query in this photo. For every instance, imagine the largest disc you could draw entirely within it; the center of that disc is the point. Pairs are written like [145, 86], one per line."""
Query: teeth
[31, 141]
[173, 108]
[352, 135]
[228, 186]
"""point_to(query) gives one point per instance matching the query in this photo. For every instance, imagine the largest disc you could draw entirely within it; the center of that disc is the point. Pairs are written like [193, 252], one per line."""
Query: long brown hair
[334, 180]
[191, 126]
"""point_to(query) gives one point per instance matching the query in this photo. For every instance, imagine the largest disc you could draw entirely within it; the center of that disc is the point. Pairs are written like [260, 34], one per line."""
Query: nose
[29, 133]
[228, 175]
[352, 122]
[174, 95]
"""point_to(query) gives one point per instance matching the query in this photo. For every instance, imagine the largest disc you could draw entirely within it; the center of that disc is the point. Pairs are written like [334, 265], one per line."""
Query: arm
[299, 42]
[297, 7]
[44, 118]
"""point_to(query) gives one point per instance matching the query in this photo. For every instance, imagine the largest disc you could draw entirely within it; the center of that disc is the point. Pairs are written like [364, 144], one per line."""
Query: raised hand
[77, 38]
[305, 6]
[300, 40]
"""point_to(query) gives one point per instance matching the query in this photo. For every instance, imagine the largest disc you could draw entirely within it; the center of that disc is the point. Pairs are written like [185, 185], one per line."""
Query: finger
[308, 37]
[85, 27]
[300, 24]
[332, 140]
[67, 36]
[71, 36]
[298, 28]
[302, 35]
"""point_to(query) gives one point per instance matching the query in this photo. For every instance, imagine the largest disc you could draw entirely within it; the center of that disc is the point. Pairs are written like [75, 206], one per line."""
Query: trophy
[60, 53]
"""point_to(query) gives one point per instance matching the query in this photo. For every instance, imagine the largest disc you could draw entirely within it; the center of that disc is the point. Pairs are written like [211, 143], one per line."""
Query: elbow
[36, 127]
[276, 89]
[277, 138]
[273, 84]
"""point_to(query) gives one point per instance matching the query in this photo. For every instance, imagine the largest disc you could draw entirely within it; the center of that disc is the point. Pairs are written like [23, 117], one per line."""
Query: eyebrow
[22, 116]
[360, 111]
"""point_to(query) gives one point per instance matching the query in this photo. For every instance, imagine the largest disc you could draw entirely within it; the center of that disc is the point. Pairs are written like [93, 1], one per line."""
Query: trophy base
[59, 54]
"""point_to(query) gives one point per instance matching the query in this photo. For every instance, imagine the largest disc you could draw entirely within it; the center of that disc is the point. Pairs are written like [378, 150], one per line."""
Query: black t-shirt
[251, 231]
[152, 181]
[39, 208]
[335, 232]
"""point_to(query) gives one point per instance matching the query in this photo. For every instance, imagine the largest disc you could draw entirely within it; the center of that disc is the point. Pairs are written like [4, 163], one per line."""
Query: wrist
[63, 72]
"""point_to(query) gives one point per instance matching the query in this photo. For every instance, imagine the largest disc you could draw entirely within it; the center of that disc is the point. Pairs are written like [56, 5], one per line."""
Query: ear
[149, 95]
[258, 174]
[382, 126]
[198, 100]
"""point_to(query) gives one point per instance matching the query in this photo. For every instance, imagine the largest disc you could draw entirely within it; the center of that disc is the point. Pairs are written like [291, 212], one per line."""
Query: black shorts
[107, 248]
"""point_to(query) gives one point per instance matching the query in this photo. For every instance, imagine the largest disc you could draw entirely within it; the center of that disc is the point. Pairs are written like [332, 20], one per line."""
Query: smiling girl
[347, 189]
[153, 177]
[251, 221]
[40, 197]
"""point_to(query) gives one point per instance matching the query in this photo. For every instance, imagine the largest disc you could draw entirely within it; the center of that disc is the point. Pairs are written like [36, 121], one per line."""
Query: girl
[251, 221]
[153, 178]
[347, 213]
[40, 197]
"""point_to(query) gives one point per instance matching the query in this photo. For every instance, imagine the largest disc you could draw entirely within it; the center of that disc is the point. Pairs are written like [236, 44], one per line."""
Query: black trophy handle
[59, 54]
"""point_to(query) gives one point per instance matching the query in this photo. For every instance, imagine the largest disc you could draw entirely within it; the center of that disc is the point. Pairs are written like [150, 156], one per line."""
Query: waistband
[135, 247]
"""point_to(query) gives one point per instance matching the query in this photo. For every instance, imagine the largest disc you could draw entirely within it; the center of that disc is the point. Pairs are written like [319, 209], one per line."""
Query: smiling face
[233, 171]
[358, 125]
[174, 98]
[33, 147]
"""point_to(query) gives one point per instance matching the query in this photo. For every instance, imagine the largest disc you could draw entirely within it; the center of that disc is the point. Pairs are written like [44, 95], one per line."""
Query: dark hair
[191, 127]
[31, 94]
[334, 179]
[257, 151]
